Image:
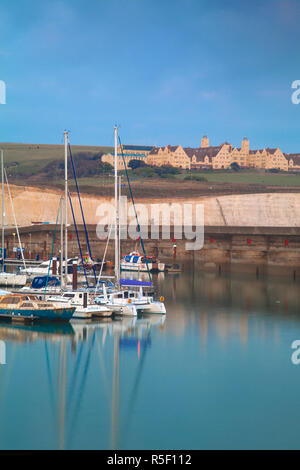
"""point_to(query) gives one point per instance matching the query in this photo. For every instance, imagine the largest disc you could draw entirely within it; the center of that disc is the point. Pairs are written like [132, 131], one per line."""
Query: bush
[106, 167]
[235, 166]
[86, 165]
[167, 170]
[134, 164]
[145, 172]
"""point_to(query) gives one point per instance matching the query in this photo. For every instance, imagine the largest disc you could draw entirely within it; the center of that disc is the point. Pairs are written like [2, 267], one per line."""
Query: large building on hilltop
[222, 156]
[129, 152]
[169, 155]
[207, 157]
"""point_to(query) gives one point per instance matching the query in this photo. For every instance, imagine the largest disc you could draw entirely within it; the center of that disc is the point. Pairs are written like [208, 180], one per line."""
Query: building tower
[245, 146]
[204, 141]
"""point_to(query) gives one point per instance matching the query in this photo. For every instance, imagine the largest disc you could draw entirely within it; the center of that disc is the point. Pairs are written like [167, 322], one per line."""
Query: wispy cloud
[208, 95]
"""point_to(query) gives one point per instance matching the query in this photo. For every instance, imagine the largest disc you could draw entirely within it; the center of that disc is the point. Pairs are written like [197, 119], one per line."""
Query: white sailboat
[82, 300]
[127, 301]
[84, 304]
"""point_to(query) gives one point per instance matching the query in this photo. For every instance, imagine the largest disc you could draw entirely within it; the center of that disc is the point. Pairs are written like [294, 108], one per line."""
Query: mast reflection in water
[216, 373]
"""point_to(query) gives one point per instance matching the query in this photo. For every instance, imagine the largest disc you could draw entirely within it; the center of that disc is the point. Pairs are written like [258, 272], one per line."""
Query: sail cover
[135, 283]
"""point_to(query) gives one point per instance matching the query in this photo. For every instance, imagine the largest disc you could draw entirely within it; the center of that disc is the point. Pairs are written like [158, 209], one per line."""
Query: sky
[165, 71]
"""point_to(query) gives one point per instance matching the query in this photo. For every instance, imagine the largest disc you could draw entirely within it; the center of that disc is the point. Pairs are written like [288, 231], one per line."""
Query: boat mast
[117, 255]
[61, 242]
[120, 178]
[66, 207]
[3, 213]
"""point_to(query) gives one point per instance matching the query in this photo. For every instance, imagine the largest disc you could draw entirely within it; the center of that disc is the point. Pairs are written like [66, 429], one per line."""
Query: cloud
[208, 95]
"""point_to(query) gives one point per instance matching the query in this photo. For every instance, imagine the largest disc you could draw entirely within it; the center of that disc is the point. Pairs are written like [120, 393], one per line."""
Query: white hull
[137, 305]
[154, 307]
[81, 312]
[88, 312]
[81, 315]
[128, 310]
[136, 267]
[12, 280]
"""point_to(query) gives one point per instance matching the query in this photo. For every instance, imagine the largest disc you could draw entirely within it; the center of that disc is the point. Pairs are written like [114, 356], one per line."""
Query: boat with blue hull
[28, 307]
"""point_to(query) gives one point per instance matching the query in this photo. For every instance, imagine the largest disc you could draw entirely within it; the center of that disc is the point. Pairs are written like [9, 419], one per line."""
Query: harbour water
[216, 373]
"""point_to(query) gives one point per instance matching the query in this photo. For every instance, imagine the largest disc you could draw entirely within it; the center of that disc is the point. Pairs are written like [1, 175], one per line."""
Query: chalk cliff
[271, 209]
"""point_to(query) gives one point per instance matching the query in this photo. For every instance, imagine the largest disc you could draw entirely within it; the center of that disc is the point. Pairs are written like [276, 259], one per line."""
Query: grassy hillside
[248, 177]
[42, 165]
[29, 159]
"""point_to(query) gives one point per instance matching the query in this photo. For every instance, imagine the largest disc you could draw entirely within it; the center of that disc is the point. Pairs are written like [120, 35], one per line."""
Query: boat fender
[162, 299]
[129, 301]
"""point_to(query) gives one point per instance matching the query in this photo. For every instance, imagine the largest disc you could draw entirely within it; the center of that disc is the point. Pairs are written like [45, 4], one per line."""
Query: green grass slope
[29, 159]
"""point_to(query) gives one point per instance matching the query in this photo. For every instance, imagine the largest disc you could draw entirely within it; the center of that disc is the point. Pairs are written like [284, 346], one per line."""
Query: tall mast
[66, 207]
[120, 178]
[117, 255]
[61, 242]
[3, 212]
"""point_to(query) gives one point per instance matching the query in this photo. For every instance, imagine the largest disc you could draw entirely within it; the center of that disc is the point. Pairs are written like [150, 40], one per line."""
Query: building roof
[154, 151]
[293, 156]
[171, 148]
[269, 150]
[201, 152]
[140, 148]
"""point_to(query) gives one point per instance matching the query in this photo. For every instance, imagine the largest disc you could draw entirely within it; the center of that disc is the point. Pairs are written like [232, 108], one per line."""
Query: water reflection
[226, 303]
[68, 352]
[156, 382]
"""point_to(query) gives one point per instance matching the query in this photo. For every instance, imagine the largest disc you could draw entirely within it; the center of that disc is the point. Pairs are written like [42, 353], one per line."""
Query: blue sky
[166, 71]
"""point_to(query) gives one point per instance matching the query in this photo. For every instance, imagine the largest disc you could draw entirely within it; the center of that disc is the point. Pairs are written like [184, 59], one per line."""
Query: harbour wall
[255, 232]
[258, 250]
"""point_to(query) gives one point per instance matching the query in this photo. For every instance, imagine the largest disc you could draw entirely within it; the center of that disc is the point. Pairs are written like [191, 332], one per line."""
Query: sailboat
[8, 279]
[82, 300]
[84, 304]
[130, 299]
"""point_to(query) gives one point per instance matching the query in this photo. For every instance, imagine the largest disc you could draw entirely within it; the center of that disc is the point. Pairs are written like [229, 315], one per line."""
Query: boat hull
[155, 308]
[12, 280]
[127, 310]
[56, 314]
[136, 267]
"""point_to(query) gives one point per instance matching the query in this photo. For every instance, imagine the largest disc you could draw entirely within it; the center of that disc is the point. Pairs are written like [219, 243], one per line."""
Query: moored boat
[132, 299]
[173, 268]
[12, 280]
[40, 283]
[136, 262]
[29, 307]
[83, 303]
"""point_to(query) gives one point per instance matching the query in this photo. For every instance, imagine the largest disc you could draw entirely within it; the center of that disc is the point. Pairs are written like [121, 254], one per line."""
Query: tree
[235, 166]
[133, 164]
[106, 167]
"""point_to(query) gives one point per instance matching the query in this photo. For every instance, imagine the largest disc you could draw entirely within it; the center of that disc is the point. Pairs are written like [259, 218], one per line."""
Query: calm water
[217, 373]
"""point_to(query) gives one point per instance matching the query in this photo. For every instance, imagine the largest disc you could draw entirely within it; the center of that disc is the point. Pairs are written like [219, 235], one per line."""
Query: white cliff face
[276, 209]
